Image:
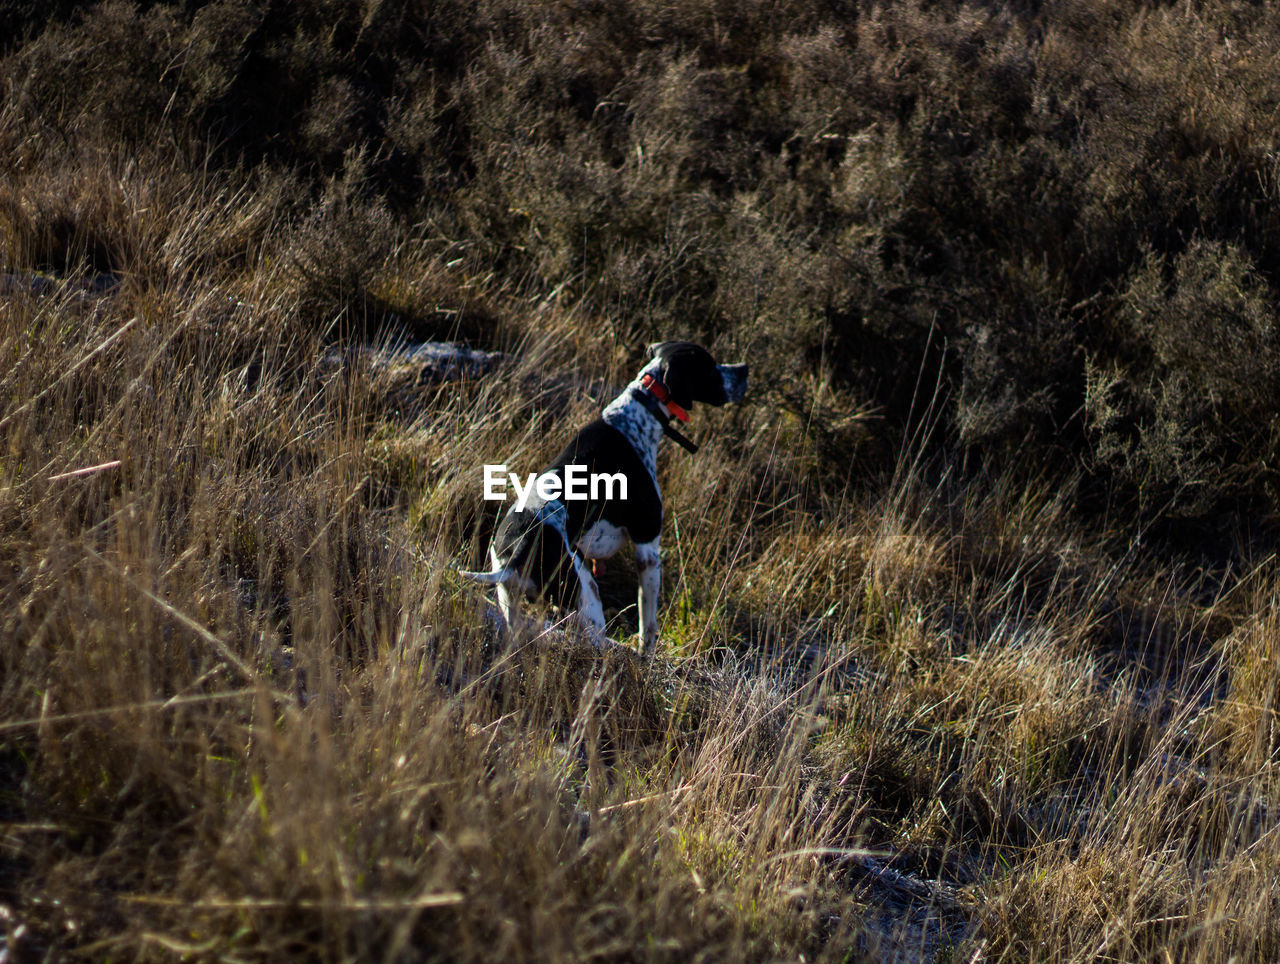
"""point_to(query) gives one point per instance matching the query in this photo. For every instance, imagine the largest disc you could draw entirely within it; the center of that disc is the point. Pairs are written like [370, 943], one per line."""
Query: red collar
[659, 391]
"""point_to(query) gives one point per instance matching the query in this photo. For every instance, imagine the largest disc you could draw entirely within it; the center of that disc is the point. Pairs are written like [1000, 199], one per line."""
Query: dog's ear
[665, 350]
[679, 386]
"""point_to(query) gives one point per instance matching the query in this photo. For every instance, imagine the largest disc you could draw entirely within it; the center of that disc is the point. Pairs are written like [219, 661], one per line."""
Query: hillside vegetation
[970, 642]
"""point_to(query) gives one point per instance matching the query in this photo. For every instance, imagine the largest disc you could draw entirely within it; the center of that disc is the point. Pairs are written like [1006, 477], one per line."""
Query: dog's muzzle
[734, 378]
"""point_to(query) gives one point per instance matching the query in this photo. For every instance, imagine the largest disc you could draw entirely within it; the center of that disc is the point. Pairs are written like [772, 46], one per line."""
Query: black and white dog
[542, 548]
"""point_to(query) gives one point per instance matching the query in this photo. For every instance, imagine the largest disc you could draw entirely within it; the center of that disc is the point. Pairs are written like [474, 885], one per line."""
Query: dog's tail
[504, 575]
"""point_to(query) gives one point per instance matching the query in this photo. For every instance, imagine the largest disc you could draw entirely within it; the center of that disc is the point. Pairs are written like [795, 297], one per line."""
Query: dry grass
[916, 698]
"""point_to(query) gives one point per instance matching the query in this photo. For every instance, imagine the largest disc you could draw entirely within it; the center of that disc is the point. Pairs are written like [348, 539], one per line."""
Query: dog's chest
[602, 540]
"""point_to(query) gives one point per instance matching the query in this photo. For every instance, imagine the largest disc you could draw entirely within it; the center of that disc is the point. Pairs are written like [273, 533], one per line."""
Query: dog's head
[691, 375]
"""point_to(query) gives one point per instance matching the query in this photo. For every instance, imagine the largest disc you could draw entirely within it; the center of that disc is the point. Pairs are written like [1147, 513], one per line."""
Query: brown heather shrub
[1199, 427]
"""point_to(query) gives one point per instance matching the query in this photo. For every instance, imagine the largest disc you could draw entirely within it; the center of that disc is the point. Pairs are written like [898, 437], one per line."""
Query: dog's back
[604, 450]
[535, 539]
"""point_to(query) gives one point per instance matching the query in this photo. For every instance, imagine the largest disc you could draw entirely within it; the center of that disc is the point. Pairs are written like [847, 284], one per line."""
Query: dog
[552, 547]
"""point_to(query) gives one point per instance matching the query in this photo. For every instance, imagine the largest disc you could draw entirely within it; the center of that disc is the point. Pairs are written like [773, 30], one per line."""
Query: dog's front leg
[590, 606]
[649, 571]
